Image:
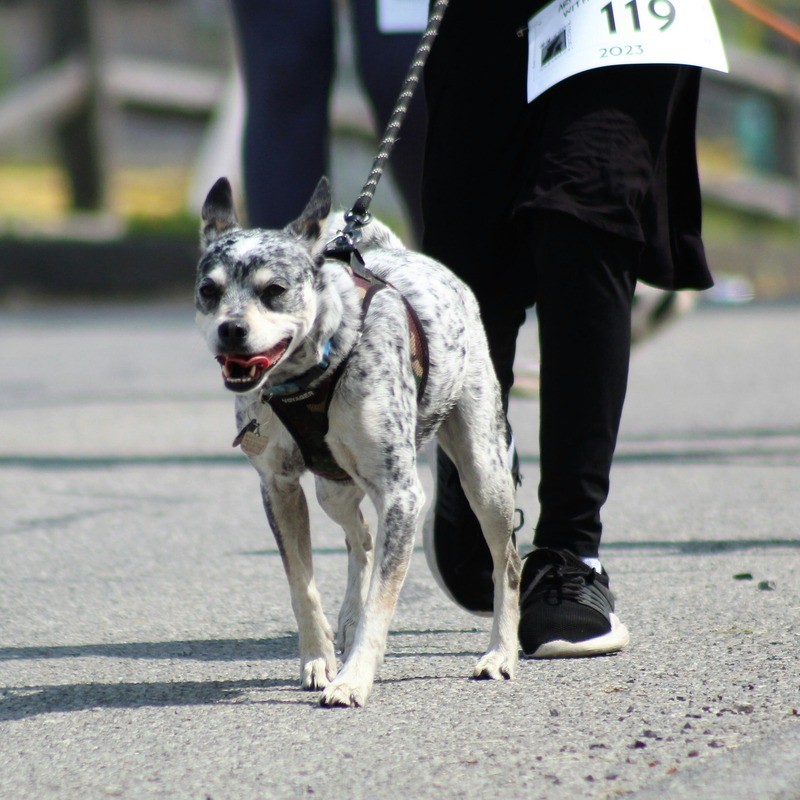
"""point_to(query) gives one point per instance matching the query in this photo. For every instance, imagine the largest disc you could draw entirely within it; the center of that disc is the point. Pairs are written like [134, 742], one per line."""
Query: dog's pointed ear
[308, 225]
[219, 215]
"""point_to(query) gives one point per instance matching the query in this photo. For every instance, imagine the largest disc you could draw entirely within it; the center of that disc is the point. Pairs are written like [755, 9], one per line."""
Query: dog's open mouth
[242, 372]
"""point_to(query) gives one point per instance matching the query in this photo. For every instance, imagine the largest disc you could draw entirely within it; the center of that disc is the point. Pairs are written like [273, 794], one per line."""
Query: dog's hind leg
[341, 502]
[287, 512]
[476, 445]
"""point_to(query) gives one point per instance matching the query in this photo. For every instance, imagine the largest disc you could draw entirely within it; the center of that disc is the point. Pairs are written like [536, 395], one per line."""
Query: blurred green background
[116, 116]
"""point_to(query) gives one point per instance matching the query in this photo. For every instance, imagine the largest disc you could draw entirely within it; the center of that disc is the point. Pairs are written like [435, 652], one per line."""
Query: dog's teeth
[253, 371]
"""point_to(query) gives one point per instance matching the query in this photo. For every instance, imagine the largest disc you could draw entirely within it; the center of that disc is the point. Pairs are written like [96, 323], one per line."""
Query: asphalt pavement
[148, 648]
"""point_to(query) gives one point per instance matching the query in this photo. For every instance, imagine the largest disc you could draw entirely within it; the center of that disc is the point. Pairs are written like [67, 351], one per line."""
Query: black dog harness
[304, 411]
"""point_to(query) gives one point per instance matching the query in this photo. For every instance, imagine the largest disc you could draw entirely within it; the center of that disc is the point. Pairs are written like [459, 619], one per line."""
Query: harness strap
[368, 282]
[305, 414]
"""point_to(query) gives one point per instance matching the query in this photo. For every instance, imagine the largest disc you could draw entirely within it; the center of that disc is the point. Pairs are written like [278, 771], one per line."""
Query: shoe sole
[611, 642]
[433, 566]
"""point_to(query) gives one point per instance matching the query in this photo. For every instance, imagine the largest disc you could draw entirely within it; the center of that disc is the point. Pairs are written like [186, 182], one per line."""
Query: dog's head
[255, 294]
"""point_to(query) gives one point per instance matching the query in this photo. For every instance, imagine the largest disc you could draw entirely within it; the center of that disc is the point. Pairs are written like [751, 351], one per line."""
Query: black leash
[344, 246]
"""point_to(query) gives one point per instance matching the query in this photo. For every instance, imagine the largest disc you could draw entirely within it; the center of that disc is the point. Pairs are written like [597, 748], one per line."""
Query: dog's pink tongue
[264, 360]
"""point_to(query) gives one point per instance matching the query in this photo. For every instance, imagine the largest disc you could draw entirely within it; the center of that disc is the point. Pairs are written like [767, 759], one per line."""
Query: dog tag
[253, 444]
[250, 439]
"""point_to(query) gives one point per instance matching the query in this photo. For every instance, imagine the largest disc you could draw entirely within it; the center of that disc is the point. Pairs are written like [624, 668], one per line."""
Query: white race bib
[402, 16]
[572, 36]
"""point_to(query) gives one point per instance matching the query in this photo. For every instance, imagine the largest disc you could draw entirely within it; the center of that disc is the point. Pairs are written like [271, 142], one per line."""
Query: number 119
[662, 10]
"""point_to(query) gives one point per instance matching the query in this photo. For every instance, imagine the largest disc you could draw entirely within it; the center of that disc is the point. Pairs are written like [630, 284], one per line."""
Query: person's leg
[468, 197]
[383, 59]
[467, 229]
[286, 53]
[585, 280]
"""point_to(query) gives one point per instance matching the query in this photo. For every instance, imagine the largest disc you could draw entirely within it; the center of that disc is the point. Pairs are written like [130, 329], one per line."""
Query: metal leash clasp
[344, 245]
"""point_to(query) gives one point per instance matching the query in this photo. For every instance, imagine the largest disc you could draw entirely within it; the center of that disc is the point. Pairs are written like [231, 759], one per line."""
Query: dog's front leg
[341, 502]
[398, 513]
[287, 512]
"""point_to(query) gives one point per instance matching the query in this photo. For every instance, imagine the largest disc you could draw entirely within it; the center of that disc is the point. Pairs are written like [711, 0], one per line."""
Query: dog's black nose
[232, 332]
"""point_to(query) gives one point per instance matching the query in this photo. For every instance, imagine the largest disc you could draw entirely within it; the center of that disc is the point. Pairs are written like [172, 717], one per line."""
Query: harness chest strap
[305, 413]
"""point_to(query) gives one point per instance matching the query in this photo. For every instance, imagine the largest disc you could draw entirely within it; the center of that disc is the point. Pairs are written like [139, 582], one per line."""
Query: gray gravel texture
[148, 649]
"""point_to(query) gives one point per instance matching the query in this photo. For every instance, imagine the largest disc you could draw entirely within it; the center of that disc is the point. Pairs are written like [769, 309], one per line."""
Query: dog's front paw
[341, 694]
[495, 665]
[317, 674]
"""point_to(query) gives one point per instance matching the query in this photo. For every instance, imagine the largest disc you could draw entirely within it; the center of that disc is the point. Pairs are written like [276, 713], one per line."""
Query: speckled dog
[281, 318]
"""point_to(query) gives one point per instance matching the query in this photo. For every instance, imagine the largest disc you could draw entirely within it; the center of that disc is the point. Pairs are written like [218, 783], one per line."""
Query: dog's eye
[208, 290]
[272, 291]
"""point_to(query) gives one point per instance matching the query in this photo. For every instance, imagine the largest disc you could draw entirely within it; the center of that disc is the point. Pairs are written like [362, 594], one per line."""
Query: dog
[281, 316]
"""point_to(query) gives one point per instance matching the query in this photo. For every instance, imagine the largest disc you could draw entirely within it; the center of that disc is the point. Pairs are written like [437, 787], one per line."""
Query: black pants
[287, 58]
[581, 281]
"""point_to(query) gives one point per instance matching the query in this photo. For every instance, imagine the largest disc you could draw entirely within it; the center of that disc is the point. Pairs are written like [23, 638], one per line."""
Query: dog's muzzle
[243, 372]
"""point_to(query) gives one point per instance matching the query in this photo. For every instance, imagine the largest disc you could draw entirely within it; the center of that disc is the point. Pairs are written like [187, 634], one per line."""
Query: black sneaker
[566, 608]
[455, 549]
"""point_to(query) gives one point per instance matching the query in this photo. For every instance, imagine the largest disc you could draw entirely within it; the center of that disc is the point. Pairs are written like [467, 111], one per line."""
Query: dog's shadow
[275, 647]
[30, 701]
[22, 702]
